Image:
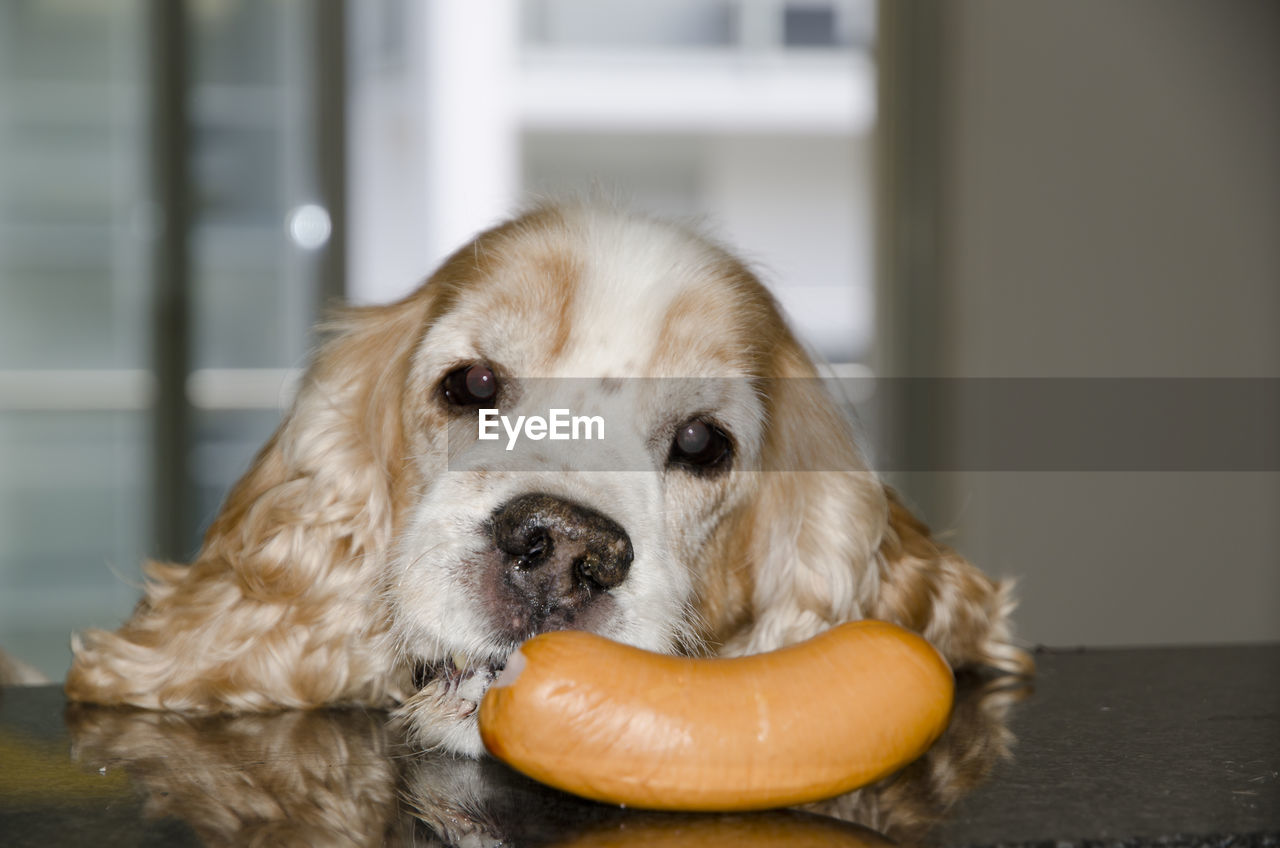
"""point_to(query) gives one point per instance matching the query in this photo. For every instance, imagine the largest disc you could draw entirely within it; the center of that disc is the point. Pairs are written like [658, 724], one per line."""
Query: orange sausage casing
[809, 721]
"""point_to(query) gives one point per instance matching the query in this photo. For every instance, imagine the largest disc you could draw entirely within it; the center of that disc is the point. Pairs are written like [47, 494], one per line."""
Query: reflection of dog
[342, 777]
[909, 804]
[315, 777]
[349, 566]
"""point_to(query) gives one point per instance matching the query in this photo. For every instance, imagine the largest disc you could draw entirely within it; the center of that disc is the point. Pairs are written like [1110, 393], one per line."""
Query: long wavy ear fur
[279, 607]
[931, 589]
[824, 541]
[814, 522]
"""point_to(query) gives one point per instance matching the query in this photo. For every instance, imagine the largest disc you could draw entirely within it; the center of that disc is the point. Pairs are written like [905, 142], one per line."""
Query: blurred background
[952, 189]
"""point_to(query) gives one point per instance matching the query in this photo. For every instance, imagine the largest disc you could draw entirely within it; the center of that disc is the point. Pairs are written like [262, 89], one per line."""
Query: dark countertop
[1169, 747]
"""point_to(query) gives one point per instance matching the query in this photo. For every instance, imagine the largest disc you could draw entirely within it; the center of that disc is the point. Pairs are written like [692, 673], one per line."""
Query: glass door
[151, 320]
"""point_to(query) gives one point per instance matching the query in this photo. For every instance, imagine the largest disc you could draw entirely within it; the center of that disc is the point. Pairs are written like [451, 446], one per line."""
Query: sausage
[809, 721]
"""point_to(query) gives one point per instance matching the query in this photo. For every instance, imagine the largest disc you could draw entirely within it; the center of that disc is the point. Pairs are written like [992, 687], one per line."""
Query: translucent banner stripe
[909, 424]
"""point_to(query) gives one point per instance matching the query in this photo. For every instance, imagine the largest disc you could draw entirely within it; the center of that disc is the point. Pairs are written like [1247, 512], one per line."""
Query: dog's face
[654, 335]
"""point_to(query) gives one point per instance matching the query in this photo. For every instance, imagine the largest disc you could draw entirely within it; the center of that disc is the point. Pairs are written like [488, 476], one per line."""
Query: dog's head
[712, 501]
[712, 498]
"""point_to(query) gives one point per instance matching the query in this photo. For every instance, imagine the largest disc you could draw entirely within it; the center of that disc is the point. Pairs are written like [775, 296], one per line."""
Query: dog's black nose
[559, 553]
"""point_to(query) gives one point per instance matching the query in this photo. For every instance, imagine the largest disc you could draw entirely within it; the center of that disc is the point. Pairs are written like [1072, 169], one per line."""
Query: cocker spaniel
[387, 548]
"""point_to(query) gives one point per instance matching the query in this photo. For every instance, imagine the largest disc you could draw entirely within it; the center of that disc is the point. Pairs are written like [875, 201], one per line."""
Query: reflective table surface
[1165, 747]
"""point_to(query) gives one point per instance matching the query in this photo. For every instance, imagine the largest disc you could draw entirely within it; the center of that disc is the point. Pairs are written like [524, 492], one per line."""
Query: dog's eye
[700, 446]
[470, 385]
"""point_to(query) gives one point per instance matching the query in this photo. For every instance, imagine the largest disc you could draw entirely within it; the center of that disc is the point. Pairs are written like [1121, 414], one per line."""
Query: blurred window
[79, 394]
[75, 386]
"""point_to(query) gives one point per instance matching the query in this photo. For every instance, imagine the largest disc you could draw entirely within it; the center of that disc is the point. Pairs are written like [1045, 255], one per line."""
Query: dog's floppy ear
[928, 587]
[277, 607]
[803, 546]
[823, 541]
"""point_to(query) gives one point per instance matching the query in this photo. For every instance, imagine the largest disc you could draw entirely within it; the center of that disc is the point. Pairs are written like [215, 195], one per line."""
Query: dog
[380, 552]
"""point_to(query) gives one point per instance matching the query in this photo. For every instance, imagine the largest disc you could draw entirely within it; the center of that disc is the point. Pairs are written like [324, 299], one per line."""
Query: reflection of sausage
[773, 829]
[618, 724]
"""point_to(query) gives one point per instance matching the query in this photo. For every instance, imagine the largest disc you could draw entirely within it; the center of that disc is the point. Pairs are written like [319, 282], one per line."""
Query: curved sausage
[809, 721]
